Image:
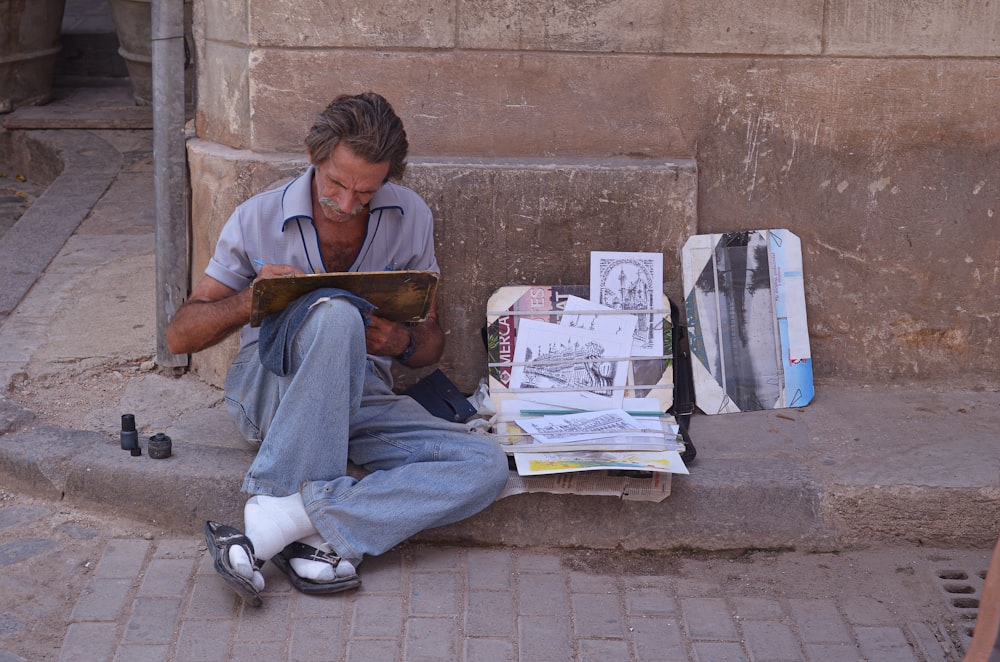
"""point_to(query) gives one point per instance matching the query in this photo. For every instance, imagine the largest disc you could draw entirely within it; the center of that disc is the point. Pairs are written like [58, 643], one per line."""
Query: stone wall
[868, 128]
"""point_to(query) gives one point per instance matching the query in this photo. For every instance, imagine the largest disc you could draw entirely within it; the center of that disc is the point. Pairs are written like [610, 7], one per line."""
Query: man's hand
[385, 338]
[278, 270]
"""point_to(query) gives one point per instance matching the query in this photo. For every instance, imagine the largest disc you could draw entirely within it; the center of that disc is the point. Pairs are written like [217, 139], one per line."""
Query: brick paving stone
[657, 639]
[603, 650]
[266, 623]
[757, 609]
[542, 594]
[649, 602]
[179, 548]
[819, 621]
[378, 616]
[544, 638]
[122, 558]
[204, 641]
[369, 650]
[142, 653]
[430, 639]
[167, 577]
[489, 650]
[381, 573]
[708, 618]
[708, 651]
[833, 653]
[152, 620]
[434, 593]
[885, 644]
[866, 611]
[257, 650]
[772, 642]
[597, 616]
[86, 642]
[489, 569]
[690, 588]
[331, 605]
[584, 582]
[102, 600]
[537, 562]
[436, 558]
[315, 639]
[490, 614]
[211, 597]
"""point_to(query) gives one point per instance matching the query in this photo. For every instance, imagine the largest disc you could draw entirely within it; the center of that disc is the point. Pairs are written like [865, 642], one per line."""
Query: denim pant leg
[426, 472]
[302, 420]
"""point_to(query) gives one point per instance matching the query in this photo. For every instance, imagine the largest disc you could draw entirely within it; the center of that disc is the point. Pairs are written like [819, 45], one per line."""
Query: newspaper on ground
[652, 488]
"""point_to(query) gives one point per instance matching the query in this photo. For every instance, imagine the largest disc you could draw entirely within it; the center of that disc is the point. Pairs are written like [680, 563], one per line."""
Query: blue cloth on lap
[278, 329]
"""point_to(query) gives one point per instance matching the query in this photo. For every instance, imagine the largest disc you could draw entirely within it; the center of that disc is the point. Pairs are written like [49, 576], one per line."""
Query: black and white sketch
[569, 366]
[631, 281]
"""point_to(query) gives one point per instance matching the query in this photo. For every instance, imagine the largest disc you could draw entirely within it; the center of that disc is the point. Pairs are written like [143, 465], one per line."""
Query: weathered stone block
[785, 27]
[571, 25]
[223, 84]
[375, 24]
[224, 20]
[955, 28]
[484, 103]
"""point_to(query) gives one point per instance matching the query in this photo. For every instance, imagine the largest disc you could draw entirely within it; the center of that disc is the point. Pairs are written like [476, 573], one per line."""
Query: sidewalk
[164, 601]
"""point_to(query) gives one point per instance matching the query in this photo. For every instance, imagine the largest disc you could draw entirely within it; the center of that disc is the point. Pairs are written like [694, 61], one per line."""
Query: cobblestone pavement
[80, 586]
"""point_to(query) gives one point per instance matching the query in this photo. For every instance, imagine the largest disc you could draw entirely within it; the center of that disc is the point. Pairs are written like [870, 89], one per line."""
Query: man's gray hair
[367, 124]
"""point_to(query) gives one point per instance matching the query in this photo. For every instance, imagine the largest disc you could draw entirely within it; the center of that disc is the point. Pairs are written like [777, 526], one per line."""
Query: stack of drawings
[581, 377]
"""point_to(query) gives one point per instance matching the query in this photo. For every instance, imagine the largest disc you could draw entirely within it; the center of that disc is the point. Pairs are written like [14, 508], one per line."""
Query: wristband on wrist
[410, 349]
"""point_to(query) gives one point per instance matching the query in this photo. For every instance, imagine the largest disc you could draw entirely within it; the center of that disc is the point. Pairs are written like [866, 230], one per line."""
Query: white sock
[318, 570]
[271, 523]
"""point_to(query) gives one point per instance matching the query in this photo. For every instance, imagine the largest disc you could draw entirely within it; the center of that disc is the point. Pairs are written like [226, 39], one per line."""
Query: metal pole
[170, 171]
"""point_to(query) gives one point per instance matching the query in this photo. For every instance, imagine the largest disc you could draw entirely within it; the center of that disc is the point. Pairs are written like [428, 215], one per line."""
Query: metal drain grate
[962, 589]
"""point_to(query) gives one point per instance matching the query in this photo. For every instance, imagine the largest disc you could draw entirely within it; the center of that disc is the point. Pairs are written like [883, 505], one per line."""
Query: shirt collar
[296, 199]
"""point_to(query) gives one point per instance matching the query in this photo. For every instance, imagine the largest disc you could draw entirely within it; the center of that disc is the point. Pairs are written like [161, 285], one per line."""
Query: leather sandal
[298, 550]
[220, 539]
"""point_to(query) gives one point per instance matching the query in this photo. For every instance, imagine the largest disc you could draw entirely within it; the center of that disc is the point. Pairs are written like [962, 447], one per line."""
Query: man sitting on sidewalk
[329, 399]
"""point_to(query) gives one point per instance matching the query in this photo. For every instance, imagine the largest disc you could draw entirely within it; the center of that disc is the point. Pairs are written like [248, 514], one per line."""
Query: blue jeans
[331, 408]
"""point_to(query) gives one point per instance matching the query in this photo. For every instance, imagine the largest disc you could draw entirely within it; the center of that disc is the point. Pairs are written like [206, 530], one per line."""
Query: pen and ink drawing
[578, 367]
[583, 314]
[585, 426]
[631, 281]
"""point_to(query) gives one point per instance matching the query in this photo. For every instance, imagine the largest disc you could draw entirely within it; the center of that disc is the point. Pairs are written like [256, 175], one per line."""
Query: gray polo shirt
[276, 227]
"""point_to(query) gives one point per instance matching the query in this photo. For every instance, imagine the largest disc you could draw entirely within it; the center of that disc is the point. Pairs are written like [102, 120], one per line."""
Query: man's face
[345, 183]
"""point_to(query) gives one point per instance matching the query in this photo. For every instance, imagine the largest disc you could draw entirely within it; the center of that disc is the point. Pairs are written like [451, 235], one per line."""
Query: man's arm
[385, 338]
[212, 312]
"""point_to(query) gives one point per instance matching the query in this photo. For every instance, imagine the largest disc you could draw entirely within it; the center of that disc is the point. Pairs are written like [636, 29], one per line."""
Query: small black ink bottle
[129, 437]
